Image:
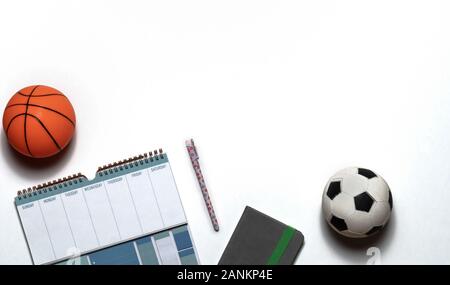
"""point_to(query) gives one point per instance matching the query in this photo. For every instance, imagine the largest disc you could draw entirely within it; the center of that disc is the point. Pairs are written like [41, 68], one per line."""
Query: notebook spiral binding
[102, 171]
[130, 162]
[50, 186]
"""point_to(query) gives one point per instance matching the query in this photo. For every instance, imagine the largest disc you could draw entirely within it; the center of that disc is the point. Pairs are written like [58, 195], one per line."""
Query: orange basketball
[39, 121]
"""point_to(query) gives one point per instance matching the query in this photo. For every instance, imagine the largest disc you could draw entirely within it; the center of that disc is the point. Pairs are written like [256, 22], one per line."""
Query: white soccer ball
[357, 202]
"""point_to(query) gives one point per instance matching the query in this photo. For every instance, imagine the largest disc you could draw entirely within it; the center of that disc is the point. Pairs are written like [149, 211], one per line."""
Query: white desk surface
[278, 96]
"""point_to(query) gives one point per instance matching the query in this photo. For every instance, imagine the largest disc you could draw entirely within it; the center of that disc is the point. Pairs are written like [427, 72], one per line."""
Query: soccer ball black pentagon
[357, 202]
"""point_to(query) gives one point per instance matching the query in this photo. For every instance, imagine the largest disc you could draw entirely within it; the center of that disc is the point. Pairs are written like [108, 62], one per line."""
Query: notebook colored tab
[130, 213]
[261, 240]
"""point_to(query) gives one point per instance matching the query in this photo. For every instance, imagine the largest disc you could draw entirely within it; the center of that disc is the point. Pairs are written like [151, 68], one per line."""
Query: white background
[278, 95]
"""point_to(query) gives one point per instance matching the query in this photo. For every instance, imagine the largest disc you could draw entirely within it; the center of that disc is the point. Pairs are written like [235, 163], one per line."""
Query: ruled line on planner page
[134, 203]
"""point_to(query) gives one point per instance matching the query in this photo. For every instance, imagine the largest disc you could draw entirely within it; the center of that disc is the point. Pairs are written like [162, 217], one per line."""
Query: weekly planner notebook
[130, 213]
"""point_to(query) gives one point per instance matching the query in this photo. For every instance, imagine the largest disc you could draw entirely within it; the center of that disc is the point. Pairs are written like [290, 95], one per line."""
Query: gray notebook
[259, 239]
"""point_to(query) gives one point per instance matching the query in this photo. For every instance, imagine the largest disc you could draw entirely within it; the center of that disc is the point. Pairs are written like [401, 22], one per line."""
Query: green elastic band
[282, 244]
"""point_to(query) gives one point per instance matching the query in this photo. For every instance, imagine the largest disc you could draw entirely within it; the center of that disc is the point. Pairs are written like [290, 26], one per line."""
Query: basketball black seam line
[42, 95]
[40, 122]
[43, 107]
[25, 120]
[10, 122]
[46, 130]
